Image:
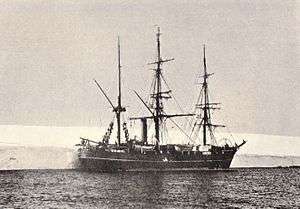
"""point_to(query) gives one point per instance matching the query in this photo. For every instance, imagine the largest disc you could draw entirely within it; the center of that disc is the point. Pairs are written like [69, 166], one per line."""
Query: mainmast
[158, 95]
[158, 107]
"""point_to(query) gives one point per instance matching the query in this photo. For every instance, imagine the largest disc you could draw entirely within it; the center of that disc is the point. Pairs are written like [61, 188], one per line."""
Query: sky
[50, 52]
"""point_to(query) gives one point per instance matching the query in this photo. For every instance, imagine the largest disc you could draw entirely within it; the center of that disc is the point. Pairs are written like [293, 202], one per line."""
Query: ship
[142, 154]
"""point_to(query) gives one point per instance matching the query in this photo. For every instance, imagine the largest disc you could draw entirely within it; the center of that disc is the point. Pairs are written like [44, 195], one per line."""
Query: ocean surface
[236, 188]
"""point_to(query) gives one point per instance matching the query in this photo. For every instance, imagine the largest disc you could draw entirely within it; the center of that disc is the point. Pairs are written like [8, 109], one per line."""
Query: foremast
[206, 106]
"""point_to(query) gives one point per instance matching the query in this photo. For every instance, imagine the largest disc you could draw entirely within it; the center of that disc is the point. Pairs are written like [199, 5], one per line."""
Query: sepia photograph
[149, 104]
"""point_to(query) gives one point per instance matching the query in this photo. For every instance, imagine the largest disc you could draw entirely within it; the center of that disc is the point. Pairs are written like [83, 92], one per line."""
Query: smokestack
[144, 130]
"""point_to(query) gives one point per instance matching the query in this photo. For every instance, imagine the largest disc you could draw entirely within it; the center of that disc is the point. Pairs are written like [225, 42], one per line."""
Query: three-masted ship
[134, 154]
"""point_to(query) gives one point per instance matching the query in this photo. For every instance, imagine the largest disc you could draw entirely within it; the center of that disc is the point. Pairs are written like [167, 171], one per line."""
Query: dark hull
[122, 163]
[107, 165]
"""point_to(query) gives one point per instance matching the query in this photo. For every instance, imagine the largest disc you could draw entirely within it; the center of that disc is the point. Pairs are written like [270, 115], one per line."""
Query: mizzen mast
[119, 109]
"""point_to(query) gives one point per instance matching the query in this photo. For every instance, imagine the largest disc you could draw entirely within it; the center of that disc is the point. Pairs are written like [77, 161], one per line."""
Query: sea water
[235, 188]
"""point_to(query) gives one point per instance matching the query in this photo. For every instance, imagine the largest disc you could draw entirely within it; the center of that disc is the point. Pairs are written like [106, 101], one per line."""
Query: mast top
[158, 31]
[204, 63]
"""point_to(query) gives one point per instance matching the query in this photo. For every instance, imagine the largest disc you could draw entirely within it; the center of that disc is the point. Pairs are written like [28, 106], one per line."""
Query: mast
[158, 87]
[158, 95]
[119, 108]
[205, 118]
[206, 106]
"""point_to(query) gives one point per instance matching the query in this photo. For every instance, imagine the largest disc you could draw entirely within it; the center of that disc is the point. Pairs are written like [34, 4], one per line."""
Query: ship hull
[106, 164]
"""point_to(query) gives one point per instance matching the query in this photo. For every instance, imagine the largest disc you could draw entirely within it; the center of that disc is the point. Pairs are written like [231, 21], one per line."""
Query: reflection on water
[247, 188]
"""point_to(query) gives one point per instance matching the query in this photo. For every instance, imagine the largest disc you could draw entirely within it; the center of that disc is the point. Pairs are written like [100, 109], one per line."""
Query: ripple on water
[247, 188]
